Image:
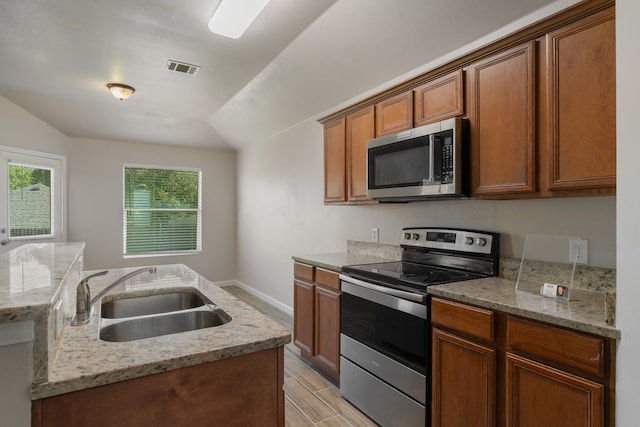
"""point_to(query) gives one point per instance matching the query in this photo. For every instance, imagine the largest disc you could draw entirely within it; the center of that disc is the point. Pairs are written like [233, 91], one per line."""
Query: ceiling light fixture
[233, 17]
[120, 90]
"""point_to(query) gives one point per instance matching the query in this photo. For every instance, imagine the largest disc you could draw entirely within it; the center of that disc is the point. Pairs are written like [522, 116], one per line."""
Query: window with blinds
[162, 211]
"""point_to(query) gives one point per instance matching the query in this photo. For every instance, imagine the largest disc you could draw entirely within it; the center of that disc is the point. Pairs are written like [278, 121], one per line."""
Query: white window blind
[162, 211]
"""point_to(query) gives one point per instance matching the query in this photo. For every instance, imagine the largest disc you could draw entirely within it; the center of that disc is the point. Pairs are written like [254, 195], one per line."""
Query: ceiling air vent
[182, 67]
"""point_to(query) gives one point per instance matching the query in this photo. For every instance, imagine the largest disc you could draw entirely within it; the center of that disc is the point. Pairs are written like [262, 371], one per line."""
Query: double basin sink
[130, 318]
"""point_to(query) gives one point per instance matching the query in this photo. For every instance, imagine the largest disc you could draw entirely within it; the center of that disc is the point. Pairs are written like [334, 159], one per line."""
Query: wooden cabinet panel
[360, 129]
[581, 111]
[472, 321]
[463, 382]
[439, 99]
[502, 121]
[316, 317]
[328, 279]
[303, 271]
[335, 189]
[239, 391]
[538, 395]
[303, 315]
[394, 114]
[571, 350]
[328, 330]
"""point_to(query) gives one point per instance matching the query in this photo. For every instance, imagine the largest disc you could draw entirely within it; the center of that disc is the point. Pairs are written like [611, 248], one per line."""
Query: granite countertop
[584, 312]
[335, 261]
[84, 361]
[30, 278]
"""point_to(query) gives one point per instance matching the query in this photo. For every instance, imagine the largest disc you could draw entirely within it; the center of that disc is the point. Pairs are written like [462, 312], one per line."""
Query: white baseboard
[261, 295]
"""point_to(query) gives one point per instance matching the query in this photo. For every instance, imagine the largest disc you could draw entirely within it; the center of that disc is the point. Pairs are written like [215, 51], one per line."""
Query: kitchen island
[165, 380]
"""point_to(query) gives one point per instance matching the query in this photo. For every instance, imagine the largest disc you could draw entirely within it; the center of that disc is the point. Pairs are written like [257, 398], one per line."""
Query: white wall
[628, 207]
[95, 203]
[22, 129]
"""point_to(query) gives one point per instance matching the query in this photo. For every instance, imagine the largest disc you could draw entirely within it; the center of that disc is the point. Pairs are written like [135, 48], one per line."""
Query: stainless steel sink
[150, 304]
[163, 324]
[130, 318]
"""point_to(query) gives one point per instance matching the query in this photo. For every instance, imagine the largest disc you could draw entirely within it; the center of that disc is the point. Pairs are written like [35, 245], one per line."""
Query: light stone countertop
[335, 261]
[583, 312]
[30, 278]
[586, 311]
[84, 361]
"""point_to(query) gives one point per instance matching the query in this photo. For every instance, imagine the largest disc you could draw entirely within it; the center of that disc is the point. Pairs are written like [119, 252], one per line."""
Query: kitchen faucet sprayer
[83, 293]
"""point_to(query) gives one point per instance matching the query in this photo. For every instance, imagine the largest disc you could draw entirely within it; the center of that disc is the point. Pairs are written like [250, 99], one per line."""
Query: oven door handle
[382, 289]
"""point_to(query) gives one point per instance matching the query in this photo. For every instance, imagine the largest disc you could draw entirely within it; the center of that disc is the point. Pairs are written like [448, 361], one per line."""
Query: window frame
[57, 164]
[198, 211]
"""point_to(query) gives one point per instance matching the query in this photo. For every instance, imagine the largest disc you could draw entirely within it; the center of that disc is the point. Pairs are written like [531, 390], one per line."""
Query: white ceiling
[299, 59]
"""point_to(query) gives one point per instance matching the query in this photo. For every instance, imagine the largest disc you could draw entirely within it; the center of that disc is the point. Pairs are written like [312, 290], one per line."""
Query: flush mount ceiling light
[120, 90]
[233, 17]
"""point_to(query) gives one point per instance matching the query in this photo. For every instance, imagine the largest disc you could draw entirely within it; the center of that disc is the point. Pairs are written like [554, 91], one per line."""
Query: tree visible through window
[30, 207]
[162, 211]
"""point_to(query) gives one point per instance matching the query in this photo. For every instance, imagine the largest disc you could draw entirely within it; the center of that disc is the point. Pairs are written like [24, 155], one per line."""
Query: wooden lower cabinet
[464, 382]
[539, 395]
[240, 391]
[316, 317]
[495, 369]
[327, 317]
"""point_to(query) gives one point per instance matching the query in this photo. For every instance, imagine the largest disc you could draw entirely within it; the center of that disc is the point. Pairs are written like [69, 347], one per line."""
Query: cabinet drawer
[327, 278]
[564, 347]
[303, 271]
[472, 321]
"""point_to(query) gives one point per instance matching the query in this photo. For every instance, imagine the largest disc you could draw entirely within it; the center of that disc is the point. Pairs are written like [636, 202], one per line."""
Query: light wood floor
[310, 399]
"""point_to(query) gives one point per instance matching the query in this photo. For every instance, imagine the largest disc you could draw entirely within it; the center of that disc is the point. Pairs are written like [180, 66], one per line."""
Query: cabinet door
[360, 129]
[502, 120]
[463, 382]
[327, 314]
[303, 315]
[538, 395]
[582, 104]
[394, 114]
[334, 161]
[439, 99]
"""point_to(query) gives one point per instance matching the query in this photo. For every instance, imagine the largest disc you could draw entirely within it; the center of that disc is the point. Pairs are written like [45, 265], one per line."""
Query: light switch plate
[375, 235]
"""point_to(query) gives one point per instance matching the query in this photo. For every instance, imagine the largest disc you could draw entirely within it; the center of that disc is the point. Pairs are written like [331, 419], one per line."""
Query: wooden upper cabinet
[360, 129]
[334, 161]
[439, 99]
[582, 104]
[394, 114]
[502, 122]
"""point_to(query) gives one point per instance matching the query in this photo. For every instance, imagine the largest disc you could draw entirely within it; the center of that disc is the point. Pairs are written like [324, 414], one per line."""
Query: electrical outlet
[579, 250]
[374, 234]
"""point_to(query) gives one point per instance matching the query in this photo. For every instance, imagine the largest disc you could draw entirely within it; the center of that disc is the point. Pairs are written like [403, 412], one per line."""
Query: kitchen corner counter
[84, 361]
[584, 312]
[336, 261]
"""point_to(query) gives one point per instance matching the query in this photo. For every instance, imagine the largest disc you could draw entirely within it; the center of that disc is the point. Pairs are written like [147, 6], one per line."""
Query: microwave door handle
[432, 147]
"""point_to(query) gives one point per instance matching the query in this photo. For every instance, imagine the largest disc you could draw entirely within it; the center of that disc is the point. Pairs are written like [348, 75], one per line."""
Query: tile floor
[310, 399]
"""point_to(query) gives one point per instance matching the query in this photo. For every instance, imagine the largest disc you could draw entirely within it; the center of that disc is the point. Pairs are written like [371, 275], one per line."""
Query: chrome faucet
[83, 293]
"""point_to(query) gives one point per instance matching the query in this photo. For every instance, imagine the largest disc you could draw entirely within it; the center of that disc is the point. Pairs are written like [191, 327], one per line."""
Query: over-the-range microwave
[422, 163]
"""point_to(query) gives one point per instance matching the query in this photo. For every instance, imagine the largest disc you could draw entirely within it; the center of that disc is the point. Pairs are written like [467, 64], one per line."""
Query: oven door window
[400, 164]
[398, 335]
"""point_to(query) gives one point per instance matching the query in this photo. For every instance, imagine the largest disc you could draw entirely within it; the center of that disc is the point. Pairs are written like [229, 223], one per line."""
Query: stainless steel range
[385, 334]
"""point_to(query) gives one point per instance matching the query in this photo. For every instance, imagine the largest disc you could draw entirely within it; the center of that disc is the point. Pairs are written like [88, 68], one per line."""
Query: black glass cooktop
[410, 274]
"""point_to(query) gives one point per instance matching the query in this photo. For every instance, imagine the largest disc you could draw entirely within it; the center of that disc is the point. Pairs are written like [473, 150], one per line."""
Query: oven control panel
[450, 239]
